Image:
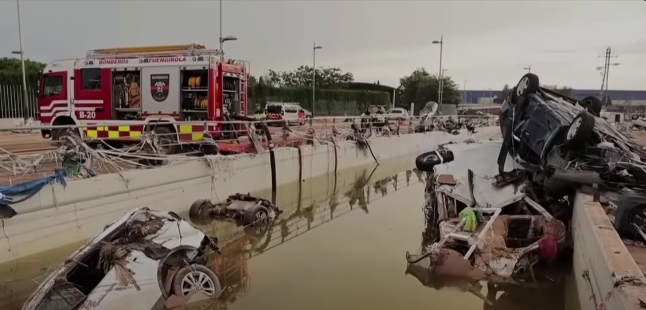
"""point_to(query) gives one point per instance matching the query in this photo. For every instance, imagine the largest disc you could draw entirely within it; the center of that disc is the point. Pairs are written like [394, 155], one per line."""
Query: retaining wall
[605, 274]
[57, 216]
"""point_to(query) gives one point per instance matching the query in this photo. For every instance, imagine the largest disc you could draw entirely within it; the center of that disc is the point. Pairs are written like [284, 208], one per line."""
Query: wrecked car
[149, 258]
[566, 144]
[242, 209]
[544, 130]
[481, 226]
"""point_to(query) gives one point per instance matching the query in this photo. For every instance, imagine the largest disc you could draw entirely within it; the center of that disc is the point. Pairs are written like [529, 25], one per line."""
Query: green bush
[328, 101]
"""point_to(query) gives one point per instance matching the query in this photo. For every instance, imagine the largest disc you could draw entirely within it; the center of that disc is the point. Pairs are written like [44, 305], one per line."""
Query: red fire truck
[116, 94]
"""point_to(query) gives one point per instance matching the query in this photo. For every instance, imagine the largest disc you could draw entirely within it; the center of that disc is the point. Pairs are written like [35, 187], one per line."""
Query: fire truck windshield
[52, 85]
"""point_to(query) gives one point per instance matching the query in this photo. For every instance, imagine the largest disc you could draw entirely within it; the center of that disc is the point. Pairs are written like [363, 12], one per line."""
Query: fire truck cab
[119, 93]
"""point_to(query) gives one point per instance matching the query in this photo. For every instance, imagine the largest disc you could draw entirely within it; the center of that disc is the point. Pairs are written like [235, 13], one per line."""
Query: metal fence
[11, 102]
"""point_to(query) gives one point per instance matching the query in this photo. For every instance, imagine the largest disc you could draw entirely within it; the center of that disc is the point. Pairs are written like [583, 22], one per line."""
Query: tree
[565, 91]
[302, 76]
[11, 71]
[420, 87]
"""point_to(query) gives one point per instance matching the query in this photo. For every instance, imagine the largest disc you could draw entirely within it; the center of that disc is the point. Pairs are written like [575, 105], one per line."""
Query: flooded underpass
[339, 243]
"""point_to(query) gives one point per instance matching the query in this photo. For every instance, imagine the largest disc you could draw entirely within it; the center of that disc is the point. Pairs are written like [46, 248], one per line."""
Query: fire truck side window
[91, 78]
[52, 86]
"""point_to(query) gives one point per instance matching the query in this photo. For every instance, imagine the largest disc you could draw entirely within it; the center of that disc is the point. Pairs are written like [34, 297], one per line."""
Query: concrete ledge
[57, 216]
[606, 276]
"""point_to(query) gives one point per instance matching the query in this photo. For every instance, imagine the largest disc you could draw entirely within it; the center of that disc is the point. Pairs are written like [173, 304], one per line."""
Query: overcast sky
[487, 43]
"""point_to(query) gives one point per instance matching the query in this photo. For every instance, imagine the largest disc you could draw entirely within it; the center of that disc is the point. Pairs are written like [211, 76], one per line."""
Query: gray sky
[488, 43]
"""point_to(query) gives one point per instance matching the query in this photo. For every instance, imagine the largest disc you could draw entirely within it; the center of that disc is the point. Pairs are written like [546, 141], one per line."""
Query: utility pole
[606, 72]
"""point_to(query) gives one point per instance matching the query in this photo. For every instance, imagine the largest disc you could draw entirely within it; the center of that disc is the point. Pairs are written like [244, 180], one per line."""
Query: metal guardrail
[337, 120]
[25, 155]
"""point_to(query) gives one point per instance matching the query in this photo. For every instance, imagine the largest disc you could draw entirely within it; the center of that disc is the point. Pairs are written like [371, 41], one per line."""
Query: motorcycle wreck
[482, 225]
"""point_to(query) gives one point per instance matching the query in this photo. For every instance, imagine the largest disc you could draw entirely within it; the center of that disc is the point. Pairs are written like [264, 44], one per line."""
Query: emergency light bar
[159, 50]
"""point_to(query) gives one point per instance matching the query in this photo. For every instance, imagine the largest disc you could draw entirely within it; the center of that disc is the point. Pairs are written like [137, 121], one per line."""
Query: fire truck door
[160, 90]
[53, 96]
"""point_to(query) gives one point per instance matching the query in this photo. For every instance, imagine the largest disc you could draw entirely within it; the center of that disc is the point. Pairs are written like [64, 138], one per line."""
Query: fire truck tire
[167, 139]
[59, 134]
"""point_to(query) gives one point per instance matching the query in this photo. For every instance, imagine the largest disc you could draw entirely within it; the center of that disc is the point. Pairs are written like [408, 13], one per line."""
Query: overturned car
[241, 209]
[483, 226]
[149, 258]
[564, 144]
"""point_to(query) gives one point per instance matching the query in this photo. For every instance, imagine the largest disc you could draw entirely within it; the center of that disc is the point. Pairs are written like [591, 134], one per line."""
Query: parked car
[148, 258]
[397, 114]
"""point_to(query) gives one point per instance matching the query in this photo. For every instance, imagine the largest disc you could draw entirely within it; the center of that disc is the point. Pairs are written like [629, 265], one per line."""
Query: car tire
[528, 84]
[254, 215]
[580, 130]
[593, 105]
[426, 162]
[197, 212]
[634, 117]
[185, 281]
[626, 228]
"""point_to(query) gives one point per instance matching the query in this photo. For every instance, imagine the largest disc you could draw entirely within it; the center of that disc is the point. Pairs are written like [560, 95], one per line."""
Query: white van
[278, 111]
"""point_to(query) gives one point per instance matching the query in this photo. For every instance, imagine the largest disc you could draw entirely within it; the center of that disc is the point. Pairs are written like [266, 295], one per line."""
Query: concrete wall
[605, 274]
[58, 216]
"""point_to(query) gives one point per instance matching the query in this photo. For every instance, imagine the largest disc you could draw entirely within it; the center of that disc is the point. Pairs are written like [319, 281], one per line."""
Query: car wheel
[580, 130]
[196, 278]
[636, 220]
[198, 213]
[427, 161]
[634, 117]
[593, 105]
[528, 84]
[258, 215]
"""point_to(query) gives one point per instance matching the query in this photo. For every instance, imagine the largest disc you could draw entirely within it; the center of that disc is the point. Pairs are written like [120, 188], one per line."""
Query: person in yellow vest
[259, 114]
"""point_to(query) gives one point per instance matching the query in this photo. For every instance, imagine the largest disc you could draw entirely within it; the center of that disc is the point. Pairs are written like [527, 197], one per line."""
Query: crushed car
[565, 144]
[149, 258]
[241, 209]
[480, 225]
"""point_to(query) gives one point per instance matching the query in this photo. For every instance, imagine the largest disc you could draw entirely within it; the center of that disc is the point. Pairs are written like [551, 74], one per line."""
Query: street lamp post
[21, 52]
[315, 47]
[222, 38]
[529, 69]
[441, 86]
[439, 89]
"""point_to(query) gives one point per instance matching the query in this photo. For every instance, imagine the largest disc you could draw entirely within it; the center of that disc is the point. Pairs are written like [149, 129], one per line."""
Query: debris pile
[499, 211]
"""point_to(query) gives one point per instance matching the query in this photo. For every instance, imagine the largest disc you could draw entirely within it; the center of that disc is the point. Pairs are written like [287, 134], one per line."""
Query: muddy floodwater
[340, 244]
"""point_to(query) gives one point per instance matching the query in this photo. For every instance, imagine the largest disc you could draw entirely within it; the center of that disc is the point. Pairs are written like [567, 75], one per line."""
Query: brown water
[340, 244]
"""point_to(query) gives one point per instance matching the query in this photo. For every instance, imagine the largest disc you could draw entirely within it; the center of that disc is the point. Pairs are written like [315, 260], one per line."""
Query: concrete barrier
[605, 274]
[18, 123]
[57, 216]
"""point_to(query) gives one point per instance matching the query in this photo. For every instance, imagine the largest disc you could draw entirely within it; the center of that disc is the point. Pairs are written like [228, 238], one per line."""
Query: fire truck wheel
[167, 139]
[59, 134]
